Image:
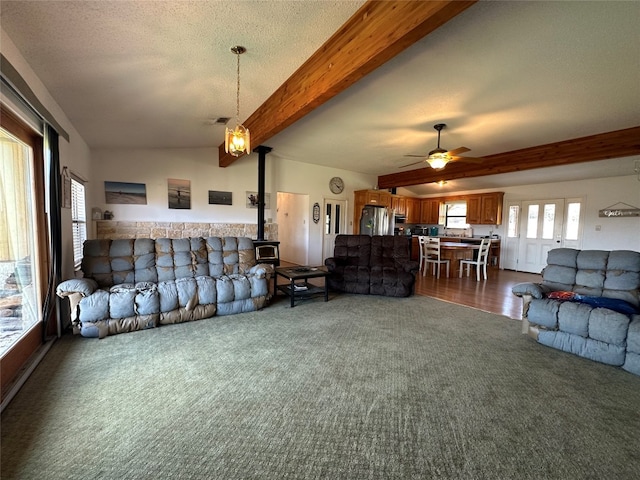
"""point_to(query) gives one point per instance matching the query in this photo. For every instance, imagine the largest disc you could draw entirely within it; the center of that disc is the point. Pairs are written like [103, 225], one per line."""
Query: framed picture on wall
[252, 200]
[179, 193]
[125, 193]
[220, 198]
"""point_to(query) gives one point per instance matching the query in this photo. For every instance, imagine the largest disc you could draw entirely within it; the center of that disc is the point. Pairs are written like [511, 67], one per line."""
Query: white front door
[335, 222]
[541, 224]
[511, 241]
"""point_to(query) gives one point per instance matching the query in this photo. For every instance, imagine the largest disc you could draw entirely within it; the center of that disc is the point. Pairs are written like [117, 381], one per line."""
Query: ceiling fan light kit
[439, 157]
[238, 140]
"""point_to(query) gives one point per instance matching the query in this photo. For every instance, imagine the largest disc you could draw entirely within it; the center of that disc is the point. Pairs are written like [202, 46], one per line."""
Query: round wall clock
[336, 185]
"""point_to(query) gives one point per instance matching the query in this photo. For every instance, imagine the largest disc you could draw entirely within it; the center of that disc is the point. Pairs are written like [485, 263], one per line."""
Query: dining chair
[432, 256]
[422, 244]
[480, 261]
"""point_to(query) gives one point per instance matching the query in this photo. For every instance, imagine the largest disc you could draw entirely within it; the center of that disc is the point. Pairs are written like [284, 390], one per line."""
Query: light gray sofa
[134, 284]
[588, 304]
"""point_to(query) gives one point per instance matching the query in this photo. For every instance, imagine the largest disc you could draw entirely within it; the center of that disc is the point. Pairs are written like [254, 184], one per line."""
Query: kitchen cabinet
[429, 210]
[374, 197]
[482, 209]
[399, 204]
[491, 209]
[474, 209]
[485, 208]
[412, 210]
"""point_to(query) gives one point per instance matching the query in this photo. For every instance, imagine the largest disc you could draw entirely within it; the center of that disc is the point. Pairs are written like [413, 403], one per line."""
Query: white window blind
[79, 220]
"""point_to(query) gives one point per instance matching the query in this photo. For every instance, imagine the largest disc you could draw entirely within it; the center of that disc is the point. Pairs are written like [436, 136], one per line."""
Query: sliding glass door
[22, 241]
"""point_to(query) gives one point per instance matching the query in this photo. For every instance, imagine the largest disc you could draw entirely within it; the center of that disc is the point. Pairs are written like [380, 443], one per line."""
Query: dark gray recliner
[372, 265]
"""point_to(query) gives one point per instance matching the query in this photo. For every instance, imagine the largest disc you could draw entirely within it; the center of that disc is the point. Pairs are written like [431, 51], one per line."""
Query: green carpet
[361, 387]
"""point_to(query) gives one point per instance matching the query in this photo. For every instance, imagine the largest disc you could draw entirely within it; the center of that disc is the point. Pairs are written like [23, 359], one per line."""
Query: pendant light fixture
[237, 141]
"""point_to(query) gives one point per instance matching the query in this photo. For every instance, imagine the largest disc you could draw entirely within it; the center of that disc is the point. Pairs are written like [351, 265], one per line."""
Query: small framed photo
[125, 193]
[252, 200]
[179, 193]
[220, 198]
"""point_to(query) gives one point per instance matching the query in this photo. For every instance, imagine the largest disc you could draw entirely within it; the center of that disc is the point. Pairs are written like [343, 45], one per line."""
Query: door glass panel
[19, 292]
[512, 227]
[336, 227]
[548, 220]
[532, 222]
[327, 220]
[573, 221]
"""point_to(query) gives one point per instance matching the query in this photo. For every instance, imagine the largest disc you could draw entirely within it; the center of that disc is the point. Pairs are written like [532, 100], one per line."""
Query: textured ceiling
[502, 76]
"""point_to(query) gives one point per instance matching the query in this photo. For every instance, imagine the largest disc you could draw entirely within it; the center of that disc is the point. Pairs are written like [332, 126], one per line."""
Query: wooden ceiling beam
[377, 32]
[616, 144]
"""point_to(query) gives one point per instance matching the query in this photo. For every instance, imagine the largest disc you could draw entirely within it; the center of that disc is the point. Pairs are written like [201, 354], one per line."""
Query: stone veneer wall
[113, 229]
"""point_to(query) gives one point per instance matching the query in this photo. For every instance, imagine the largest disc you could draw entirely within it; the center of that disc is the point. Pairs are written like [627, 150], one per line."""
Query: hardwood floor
[493, 295]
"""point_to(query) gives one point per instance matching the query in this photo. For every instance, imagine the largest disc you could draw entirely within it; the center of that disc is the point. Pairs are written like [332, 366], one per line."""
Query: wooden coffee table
[299, 287]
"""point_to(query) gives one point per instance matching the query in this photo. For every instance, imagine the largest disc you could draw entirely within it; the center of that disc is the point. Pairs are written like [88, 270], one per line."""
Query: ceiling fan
[439, 157]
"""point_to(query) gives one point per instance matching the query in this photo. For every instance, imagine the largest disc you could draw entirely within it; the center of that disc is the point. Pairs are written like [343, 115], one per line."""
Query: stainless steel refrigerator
[376, 220]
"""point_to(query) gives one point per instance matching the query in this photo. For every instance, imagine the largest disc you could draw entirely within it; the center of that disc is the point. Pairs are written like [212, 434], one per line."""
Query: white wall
[74, 153]
[200, 165]
[614, 233]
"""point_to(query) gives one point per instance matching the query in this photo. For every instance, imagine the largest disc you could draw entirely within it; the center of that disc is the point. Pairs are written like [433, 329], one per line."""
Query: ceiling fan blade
[409, 164]
[458, 151]
[417, 156]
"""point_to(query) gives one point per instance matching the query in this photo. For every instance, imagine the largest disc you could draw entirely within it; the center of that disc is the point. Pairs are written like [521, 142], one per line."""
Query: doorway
[536, 226]
[335, 223]
[292, 215]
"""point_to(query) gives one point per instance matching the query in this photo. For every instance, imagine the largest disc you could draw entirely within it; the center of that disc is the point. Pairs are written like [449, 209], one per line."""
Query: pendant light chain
[238, 92]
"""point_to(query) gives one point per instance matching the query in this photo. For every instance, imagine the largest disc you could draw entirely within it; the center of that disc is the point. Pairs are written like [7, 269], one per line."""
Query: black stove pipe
[262, 155]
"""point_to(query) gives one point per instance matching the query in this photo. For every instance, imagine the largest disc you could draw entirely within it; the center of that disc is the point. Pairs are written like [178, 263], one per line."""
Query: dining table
[456, 251]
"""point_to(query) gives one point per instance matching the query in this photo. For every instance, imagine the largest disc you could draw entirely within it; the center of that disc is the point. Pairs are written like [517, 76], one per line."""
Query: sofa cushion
[544, 312]
[565, 257]
[187, 291]
[592, 279]
[353, 250]
[559, 277]
[94, 307]
[633, 335]
[122, 301]
[574, 318]
[206, 290]
[584, 347]
[168, 294]
[608, 326]
[632, 363]
[147, 300]
[592, 260]
[624, 260]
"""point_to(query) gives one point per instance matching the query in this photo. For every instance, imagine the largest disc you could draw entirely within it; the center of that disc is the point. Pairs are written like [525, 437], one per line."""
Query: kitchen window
[456, 215]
